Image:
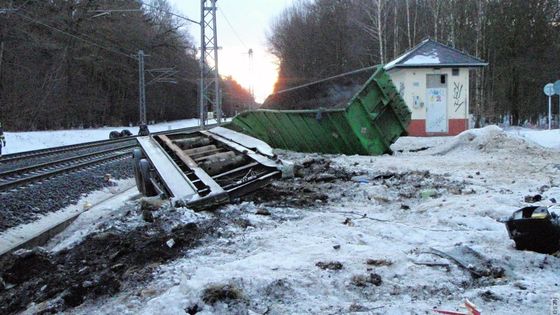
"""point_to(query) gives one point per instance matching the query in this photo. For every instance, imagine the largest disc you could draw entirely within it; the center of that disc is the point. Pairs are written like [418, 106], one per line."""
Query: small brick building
[433, 79]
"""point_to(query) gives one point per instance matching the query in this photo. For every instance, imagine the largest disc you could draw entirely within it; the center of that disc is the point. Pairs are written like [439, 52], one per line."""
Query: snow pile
[488, 139]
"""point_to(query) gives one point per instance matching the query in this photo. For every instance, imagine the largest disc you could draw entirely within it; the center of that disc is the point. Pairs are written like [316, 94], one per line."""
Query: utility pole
[251, 88]
[209, 75]
[141, 88]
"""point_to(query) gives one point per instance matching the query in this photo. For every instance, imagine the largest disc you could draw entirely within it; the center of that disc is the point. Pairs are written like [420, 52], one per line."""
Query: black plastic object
[535, 229]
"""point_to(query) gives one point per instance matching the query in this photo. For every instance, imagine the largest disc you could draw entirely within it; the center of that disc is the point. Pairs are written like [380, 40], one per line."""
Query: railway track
[16, 157]
[23, 176]
[51, 162]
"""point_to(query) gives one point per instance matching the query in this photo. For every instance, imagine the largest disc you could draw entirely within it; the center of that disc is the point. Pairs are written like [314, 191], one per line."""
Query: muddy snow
[395, 234]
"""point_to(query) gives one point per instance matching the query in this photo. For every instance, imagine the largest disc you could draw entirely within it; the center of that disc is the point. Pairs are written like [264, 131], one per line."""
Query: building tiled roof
[430, 53]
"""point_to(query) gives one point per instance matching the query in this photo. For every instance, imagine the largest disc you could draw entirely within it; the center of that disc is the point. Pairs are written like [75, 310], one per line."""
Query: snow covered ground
[35, 140]
[545, 138]
[367, 219]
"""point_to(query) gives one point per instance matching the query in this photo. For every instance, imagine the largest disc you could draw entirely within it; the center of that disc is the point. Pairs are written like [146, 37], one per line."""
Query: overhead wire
[169, 12]
[131, 54]
[113, 50]
[233, 29]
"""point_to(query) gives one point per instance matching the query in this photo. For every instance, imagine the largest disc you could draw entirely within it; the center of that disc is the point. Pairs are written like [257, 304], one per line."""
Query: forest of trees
[519, 39]
[65, 64]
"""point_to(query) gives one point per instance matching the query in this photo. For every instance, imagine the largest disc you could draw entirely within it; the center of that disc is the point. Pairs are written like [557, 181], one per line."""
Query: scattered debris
[87, 205]
[489, 296]
[379, 262]
[331, 265]
[221, 293]
[471, 310]
[147, 216]
[151, 203]
[336, 247]
[193, 309]
[170, 243]
[533, 199]
[536, 229]
[428, 193]
[472, 261]
[348, 222]
[362, 281]
[262, 211]
[430, 263]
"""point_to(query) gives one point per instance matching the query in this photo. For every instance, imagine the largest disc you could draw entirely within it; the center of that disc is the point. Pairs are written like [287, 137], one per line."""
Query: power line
[169, 12]
[233, 29]
[131, 54]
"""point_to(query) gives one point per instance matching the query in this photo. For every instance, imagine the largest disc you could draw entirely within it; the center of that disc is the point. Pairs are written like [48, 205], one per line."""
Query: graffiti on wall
[458, 99]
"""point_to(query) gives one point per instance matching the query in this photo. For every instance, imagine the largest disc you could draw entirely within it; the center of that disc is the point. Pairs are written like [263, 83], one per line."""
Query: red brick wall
[417, 128]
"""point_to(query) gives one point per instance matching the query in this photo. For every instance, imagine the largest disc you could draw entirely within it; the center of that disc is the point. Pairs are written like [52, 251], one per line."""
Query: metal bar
[171, 175]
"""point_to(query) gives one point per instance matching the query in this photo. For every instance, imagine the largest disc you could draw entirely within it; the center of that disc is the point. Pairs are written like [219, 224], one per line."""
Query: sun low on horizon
[242, 25]
[259, 74]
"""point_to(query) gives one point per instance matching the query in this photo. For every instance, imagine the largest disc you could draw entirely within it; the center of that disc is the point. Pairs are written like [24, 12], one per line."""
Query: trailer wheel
[136, 157]
[148, 188]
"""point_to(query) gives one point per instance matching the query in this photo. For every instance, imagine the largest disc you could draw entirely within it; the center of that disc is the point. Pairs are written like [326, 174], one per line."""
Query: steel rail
[78, 146]
[51, 164]
[4, 186]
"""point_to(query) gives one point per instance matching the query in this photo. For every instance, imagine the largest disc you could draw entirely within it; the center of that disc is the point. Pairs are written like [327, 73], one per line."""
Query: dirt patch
[98, 266]
[416, 184]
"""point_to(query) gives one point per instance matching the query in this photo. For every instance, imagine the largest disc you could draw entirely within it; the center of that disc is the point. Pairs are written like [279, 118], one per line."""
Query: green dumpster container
[336, 116]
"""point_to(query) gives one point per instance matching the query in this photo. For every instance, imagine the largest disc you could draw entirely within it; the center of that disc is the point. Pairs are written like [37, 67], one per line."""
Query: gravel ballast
[24, 205]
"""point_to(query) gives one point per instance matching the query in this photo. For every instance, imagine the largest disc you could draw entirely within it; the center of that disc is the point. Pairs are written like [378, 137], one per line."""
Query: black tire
[136, 157]
[147, 186]
[126, 133]
[143, 130]
[114, 134]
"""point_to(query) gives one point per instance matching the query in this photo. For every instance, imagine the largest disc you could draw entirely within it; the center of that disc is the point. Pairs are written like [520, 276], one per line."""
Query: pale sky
[251, 20]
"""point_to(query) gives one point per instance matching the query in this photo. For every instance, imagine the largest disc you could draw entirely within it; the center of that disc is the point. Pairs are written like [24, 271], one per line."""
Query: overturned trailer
[336, 115]
[340, 114]
[205, 168]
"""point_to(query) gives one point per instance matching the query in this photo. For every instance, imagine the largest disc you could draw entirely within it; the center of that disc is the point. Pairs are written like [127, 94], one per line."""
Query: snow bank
[487, 139]
[544, 138]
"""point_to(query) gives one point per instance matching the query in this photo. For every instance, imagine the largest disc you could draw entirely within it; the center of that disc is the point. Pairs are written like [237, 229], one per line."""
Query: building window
[442, 79]
[455, 72]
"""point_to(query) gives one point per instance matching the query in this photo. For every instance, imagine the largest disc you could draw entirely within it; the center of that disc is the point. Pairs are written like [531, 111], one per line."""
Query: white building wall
[411, 83]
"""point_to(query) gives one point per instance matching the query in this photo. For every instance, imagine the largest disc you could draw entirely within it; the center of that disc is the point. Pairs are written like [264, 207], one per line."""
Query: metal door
[436, 103]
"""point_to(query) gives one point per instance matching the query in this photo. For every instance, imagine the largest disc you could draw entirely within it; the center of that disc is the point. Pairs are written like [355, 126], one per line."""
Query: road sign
[557, 87]
[549, 89]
